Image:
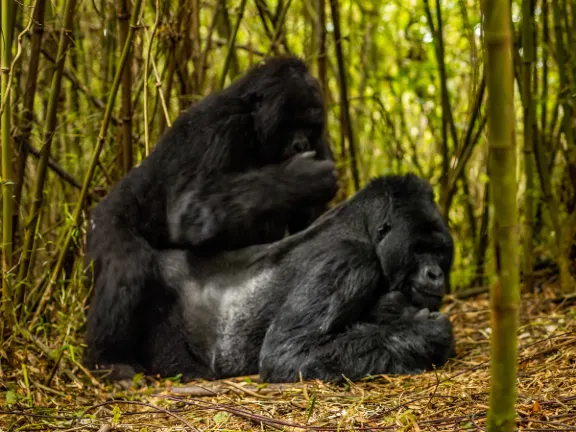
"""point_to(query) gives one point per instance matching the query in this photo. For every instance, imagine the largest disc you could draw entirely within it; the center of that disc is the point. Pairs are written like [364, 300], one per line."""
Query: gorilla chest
[237, 312]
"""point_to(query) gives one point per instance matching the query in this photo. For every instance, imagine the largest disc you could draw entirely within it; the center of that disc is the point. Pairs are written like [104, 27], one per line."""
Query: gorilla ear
[384, 224]
[384, 229]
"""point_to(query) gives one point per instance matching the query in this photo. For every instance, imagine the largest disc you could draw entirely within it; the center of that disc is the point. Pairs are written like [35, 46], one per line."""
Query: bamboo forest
[295, 215]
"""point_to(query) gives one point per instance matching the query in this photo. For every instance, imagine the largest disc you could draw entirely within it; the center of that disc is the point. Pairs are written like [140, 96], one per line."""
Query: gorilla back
[356, 293]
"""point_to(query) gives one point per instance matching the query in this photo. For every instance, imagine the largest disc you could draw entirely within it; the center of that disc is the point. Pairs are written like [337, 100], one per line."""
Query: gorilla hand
[317, 178]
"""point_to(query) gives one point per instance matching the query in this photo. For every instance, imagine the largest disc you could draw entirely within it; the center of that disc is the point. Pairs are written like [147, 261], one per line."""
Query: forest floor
[452, 398]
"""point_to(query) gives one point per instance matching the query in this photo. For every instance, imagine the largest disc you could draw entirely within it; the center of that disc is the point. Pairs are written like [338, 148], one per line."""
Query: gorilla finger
[327, 165]
[423, 313]
[307, 155]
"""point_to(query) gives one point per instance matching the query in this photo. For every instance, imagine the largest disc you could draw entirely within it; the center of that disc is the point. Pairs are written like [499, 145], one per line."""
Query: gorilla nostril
[300, 146]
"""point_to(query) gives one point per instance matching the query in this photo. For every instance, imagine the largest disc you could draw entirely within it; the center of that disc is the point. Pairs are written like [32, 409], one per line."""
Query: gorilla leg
[126, 276]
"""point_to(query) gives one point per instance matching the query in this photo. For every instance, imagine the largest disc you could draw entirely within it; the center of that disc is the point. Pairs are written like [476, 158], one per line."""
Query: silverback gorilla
[242, 167]
[357, 293]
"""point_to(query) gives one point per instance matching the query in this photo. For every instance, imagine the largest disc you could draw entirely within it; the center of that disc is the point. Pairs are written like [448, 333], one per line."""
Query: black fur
[356, 293]
[234, 170]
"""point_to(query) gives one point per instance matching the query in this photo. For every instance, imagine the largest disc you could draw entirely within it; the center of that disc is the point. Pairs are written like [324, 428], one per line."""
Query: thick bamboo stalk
[505, 296]
[66, 238]
[47, 136]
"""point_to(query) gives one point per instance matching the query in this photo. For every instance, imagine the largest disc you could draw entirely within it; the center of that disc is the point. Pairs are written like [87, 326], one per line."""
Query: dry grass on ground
[454, 398]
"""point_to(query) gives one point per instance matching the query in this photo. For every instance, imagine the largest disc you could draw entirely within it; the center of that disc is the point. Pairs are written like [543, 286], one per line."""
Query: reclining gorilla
[231, 172]
[356, 293]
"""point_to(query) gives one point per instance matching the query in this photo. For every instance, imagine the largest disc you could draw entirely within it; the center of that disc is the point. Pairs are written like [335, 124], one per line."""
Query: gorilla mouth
[423, 298]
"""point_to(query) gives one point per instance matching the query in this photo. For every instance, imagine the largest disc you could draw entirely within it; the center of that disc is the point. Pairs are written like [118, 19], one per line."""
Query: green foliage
[11, 397]
[116, 415]
[220, 417]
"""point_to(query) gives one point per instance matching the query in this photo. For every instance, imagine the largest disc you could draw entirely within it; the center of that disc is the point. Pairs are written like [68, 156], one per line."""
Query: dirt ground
[452, 398]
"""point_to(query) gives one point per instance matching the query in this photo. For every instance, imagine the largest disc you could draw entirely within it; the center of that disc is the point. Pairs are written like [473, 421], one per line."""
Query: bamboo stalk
[225, 32]
[528, 107]
[66, 238]
[447, 119]
[541, 137]
[195, 30]
[7, 169]
[545, 54]
[27, 112]
[566, 235]
[265, 16]
[465, 151]
[47, 136]
[345, 106]
[483, 238]
[279, 24]
[504, 295]
[146, 73]
[171, 69]
[158, 85]
[208, 46]
[321, 32]
[545, 175]
[126, 146]
[231, 42]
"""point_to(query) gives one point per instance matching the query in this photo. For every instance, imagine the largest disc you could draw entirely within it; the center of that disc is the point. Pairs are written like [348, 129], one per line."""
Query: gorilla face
[427, 278]
[415, 248]
[298, 129]
[288, 112]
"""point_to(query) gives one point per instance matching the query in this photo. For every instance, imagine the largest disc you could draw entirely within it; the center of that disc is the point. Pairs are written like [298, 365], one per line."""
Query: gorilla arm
[233, 209]
[303, 217]
[322, 332]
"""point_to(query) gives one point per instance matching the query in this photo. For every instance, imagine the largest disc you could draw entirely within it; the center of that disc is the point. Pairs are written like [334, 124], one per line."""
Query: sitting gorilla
[356, 293]
[240, 168]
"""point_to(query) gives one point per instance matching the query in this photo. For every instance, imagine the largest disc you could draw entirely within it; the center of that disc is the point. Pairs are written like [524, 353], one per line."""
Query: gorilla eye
[383, 230]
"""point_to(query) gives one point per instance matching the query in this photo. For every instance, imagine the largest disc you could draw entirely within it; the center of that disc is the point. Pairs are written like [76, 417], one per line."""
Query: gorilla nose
[433, 273]
[432, 279]
[300, 145]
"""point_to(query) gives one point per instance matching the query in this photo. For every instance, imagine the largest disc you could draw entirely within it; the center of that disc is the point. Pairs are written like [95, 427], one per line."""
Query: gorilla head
[287, 108]
[413, 241]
